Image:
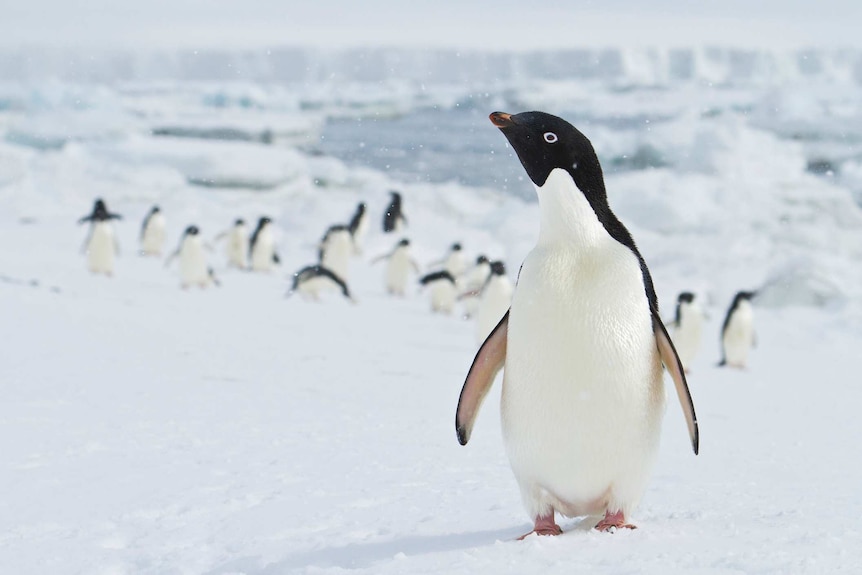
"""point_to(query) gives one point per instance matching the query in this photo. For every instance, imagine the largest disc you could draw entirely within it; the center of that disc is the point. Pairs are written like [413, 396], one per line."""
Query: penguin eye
[551, 137]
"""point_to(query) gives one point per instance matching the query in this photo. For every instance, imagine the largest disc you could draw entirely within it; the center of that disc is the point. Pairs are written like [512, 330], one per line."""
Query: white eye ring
[551, 137]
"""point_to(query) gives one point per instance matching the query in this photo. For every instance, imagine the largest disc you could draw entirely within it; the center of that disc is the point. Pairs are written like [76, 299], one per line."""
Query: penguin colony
[579, 334]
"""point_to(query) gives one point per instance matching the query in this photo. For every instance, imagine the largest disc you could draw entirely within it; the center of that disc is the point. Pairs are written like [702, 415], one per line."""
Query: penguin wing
[486, 365]
[671, 361]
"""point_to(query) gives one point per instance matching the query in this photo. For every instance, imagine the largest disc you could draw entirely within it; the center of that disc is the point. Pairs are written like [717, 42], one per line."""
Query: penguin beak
[502, 120]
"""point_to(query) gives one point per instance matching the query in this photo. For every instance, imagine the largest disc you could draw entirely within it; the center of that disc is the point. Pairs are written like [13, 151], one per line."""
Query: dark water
[430, 146]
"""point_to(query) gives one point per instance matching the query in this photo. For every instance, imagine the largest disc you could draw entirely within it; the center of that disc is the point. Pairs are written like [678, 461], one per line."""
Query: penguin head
[396, 197]
[360, 208]
[155, 209]
[498, 268]
[544, 143]
[404, 243]
[481, 260]
[456, 247]
[239, 222]
[263, 221]
[685, 297]
[192, 231]
[744, 296]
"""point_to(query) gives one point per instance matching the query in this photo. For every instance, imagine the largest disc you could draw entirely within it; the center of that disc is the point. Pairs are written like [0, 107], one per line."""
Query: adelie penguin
[153, 232]
[335, 251]
[442, 291]
[474, 281]
[582, 345]
[687, 328]
[399, 265]
[737, 332]
[311, 281]
[494, 301]
[237, 244]
[193, 264]
[454, 261]
[394, 219]
[261, 248]
[101, 244]
[358, 227]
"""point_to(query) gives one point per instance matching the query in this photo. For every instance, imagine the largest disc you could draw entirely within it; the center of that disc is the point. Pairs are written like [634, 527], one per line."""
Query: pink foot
[544, 525]
[614, 521]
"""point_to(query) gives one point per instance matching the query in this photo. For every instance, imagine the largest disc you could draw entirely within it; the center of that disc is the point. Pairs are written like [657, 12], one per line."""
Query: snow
[147, 429]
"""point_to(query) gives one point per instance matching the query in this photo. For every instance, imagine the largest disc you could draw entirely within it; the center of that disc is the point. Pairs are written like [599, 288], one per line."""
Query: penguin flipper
[671, 362]
[487, 363]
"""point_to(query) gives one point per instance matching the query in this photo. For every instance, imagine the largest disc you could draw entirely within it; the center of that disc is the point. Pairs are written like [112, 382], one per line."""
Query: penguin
[474, 281]
[310, 281]
[101, 244]
[443, 290]
[193, 264]
[394, 219]
[494, 301]
[153, 232]
[687, 328]
[399, 264]
[237, 248]
[453, 262]
[358, 227]
[335, 250]
[261, 248]
[737, 332]
[582, 345]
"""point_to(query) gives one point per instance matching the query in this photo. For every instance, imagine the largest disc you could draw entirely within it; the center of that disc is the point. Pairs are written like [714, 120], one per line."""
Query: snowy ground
[145, 429]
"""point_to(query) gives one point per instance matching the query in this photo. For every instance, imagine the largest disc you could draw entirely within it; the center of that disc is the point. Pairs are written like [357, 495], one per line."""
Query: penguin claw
[544, 525]
[612, 522]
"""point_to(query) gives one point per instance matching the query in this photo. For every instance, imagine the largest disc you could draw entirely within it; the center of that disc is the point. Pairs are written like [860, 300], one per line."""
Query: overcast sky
[497, 24]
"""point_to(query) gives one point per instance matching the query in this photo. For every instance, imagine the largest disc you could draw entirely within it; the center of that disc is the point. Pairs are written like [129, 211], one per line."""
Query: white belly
[687, 335]
[443, 294]
[336, 254]
[495, 300]
[456, 264]
[312, 288]
[153, 240]
[359, 234]
[264, 250]
[101, 249]
[583, 395]
[193, 265]
[739, 336]
[398, 272]
[237, 247]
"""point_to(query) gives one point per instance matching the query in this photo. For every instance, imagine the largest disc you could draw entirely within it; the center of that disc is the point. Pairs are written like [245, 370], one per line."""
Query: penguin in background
[442, 290]
[494, 301]
[399, 264]
[261, 249]
[358, 227]
[582, 345]
[311, 281]
[193, 264]
[454, 261]
[737, 332]
[153, 232]
[474, 281]
[687, 328]
[237, 246]
[101, 243]
[335, 250]
[394, 219]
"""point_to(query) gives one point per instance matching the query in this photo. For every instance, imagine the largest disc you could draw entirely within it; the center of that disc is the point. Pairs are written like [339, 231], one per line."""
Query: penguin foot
[544, 525]
[613, 521]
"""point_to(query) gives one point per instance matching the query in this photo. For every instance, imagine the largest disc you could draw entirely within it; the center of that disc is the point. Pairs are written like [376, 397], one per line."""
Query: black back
[153, 211]
[684, 297]
[393, 213]
[261, 223]
[437, 276]
[100, 213]
[739, 297]
[357, 217]
[316, 271]
[331, 230]
[544, 142]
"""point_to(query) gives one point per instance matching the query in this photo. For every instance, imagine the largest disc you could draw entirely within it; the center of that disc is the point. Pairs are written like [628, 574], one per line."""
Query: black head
[360, 208]
[192, 231]
[239, 222]
[544, 142]
[99, 205]
[403, 243]
[481, 260]
[685, 297]
[744, 296]
[155, 209]
[498, 268]
[456, 247]
[396, 197]
[264, 220]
